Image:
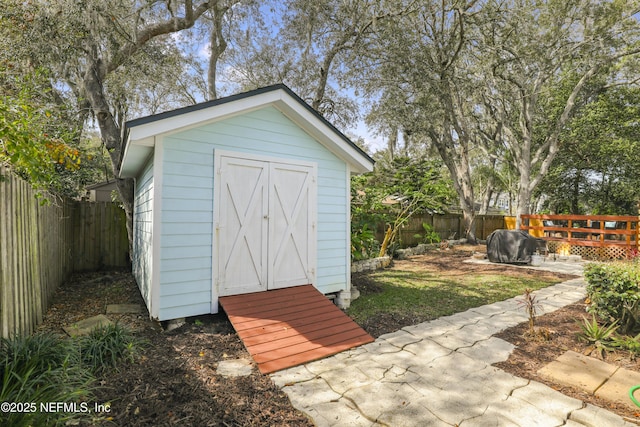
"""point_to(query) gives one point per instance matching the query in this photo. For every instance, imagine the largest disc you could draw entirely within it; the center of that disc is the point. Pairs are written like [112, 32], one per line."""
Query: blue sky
[226, 87]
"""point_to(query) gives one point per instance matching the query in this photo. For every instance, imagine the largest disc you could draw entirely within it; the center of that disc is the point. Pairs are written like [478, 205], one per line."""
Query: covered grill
[512, 246]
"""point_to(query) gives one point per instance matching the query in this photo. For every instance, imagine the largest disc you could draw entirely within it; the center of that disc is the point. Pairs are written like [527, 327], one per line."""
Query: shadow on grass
[393, 299]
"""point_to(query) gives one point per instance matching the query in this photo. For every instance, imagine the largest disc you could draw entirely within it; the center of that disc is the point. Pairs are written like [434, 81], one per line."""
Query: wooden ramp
[291, 326]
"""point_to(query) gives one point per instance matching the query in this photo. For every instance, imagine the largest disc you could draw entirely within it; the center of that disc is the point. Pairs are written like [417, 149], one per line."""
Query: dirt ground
[531, 355]
[174, 383]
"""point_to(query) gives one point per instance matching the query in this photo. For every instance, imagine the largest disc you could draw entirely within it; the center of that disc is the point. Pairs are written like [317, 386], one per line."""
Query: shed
[242, 194]
[101, 192]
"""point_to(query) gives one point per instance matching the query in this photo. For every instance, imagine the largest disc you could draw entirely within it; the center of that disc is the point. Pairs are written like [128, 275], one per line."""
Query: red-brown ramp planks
[287, 327]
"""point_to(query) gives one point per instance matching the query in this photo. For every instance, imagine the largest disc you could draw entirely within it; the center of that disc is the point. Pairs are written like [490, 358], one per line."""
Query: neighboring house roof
[139, 140]
[101, 191]
[100, 185]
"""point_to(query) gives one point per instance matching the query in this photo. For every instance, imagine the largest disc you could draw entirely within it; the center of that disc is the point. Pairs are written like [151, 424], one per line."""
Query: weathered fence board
[99, 236]
[448, 226]
[41, 244]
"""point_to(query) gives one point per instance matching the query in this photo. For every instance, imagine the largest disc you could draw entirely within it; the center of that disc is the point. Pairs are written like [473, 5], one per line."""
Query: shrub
[41, 368]
[614, 292]
[629, 343]
[430, 236]
[106, 346]
[44, 368]
[363, 244]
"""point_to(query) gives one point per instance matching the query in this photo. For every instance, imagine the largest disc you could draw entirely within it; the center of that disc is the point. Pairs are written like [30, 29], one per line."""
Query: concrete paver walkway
[594, 376]
[439, 373]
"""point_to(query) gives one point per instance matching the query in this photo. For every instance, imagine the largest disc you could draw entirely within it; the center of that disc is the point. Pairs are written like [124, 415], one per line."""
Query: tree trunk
[575, 196]
[523, 204]
[469, 219]
[218, 46]
[392, 142]
[486, 197]
[464, 187]
[112, 138]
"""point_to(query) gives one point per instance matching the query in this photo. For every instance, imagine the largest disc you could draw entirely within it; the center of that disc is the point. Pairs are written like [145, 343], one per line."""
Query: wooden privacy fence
[590, 236]
[99, 236]
[448, 226]
[41, 244]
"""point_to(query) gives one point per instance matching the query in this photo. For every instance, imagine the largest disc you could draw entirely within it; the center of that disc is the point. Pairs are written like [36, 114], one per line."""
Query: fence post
[38, 253]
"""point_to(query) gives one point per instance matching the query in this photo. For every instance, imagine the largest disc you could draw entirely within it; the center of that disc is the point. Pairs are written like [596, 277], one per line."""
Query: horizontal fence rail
[592, 236]
[449, 226]
[41, 244]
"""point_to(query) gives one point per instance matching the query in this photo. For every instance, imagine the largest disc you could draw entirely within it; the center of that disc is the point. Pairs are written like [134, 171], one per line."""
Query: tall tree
[310, 47]
[596, 170]
[221, 17]
[527, 51]
[472, 77]
[421, 60]
[88, 44]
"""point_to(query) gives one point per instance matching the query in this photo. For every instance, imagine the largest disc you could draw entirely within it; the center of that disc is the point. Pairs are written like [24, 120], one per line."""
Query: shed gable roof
[140, 133]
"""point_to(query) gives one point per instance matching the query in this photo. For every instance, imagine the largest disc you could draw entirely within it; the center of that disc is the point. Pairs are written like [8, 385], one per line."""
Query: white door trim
[217, 188]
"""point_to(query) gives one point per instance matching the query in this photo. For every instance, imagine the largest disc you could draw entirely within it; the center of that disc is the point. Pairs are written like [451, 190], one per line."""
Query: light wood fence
[599, 237]
[41, 244]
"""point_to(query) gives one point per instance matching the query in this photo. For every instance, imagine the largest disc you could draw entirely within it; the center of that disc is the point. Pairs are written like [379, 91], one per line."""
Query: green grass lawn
[424, 295]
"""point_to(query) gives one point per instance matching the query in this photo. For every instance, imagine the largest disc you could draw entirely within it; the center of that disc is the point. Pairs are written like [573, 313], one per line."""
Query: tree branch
[147, 33]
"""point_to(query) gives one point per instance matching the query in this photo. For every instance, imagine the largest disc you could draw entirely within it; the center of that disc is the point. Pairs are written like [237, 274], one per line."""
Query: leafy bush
[629, 343]
[614, 292]
[364, 244]
[41, 368]
[106, 346]
[430, 235]
[44, 368]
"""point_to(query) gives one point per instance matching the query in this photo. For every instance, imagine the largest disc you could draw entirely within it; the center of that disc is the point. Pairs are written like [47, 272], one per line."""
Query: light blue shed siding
[187, 205]
[142, 231]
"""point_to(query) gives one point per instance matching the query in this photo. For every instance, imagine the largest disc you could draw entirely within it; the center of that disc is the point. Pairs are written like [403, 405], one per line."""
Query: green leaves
[41, 368]
[418, 179]
[600, 337]
[107, 346]
[597, 169]
[391, 194]
[614, 293]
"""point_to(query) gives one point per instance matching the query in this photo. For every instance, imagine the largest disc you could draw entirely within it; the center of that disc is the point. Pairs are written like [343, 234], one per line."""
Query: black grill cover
[511, 246]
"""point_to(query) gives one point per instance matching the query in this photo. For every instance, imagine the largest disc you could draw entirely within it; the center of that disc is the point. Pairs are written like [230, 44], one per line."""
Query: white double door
[265, 231]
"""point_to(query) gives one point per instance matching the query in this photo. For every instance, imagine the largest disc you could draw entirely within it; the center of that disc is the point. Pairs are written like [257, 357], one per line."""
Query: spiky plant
[531, 305]
[106, 346]
[601, 338]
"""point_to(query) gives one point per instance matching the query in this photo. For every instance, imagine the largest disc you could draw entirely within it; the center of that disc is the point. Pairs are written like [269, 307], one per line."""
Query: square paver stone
[577, 370]
[234, 368]
[85, 326]
[616, 389]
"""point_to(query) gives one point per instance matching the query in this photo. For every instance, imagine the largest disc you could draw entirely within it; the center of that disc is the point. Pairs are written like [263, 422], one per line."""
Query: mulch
[530, 355]
[174, 381]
